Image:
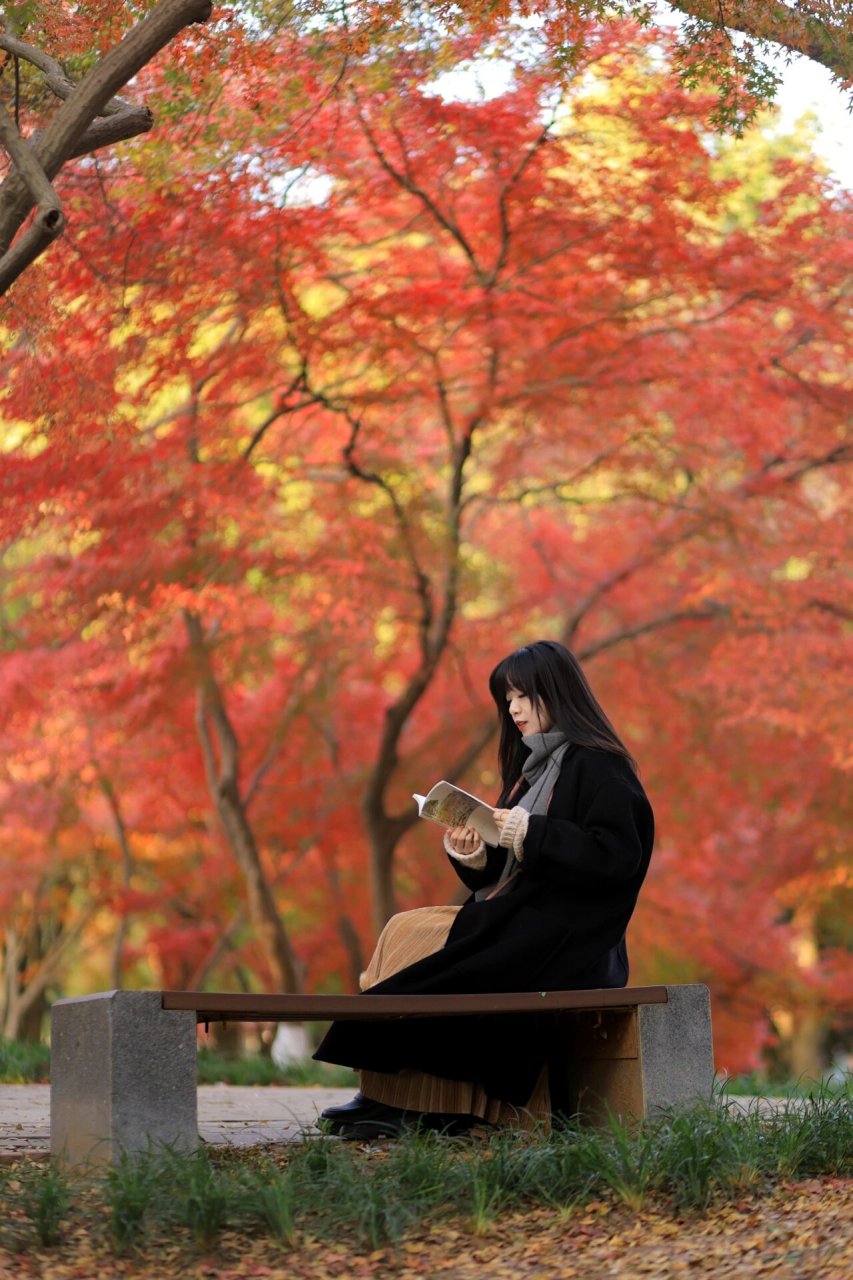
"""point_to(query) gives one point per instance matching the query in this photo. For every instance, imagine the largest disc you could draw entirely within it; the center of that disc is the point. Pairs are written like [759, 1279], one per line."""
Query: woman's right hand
[464, 839]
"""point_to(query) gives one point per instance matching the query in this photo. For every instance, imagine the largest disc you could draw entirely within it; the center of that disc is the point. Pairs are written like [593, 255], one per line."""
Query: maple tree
[428, 378]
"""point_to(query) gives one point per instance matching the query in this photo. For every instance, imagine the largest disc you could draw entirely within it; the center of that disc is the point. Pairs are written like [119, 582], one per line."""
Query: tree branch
[49, 221]
[713, 610]
[224, 781]
[798, 28]
[503, 215]
[127, 870]
[409, 183]
[72, 130]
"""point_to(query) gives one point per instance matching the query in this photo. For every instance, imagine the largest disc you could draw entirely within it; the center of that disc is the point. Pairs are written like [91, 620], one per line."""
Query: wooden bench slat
[221, 1006]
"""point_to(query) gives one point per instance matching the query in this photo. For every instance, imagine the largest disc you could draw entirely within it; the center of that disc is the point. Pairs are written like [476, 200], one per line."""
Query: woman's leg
[407, 938]
[416, 1091]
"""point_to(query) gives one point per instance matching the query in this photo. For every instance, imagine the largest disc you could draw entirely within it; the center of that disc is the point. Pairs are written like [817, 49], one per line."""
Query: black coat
[560, 925]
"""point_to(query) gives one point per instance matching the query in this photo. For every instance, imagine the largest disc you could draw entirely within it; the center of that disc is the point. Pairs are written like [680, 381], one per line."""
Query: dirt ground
[803, 1231]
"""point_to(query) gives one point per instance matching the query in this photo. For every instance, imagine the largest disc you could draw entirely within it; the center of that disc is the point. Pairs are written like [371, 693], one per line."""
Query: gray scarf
[540, 770]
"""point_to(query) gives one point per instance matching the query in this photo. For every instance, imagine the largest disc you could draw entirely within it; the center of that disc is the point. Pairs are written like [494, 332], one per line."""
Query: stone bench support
[122, 1077]
[637, 1062]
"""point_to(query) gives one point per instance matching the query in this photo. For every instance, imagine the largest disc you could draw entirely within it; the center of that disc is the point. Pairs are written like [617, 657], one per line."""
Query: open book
[451, 807]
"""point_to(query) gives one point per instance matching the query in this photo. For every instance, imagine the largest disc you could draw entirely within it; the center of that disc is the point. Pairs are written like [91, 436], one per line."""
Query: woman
[548, 911]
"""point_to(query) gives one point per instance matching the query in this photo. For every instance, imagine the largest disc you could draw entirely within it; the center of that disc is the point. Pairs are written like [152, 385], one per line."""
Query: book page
[449, 806]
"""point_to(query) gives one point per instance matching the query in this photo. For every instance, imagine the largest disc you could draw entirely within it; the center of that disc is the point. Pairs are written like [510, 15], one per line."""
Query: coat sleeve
[607, 842]
[474, 879]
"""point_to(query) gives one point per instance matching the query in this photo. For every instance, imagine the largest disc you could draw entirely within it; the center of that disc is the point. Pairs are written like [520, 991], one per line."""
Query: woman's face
[528, 719]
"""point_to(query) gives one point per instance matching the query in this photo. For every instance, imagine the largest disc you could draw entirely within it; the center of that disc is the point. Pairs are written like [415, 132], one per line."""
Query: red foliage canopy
[308, 423]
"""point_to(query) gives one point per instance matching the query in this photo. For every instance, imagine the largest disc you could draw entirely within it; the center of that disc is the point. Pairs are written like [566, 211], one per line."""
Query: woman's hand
[500, 816]
[464, 839]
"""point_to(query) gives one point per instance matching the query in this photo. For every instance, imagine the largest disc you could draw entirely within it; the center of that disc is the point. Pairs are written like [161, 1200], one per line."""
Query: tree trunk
[220, 748]
[22, 1003]
[383, 901]
[346, 928]
[31, 1023]
[807, 1048]
[127, 870]
[352, 947]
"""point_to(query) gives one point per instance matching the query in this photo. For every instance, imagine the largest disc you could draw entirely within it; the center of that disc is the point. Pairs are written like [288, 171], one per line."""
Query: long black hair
[551, 677]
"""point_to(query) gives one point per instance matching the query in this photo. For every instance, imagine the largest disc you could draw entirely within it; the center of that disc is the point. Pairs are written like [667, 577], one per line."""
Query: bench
[123, 1063]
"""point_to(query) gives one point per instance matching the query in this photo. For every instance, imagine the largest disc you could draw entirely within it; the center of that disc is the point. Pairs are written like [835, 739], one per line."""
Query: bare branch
[286, 719]
[117, 128]
[49, 221]
[409, 183]
[543, 136]
[281, 411]
[24, 158]
[675, 616]
[423, 585]
[222, 944]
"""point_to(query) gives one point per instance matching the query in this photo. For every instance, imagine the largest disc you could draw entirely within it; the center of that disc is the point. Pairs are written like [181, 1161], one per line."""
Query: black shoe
[347, 1108]
[390, 1126]
[361, 1118]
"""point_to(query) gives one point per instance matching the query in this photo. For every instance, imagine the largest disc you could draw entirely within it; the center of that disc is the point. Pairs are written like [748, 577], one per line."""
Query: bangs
[515, 672]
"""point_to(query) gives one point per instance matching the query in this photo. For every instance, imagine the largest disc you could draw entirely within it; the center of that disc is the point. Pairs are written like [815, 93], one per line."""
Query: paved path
[228, 1115]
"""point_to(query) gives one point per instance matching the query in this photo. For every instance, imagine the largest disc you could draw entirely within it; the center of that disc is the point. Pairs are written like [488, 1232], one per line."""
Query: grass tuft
[701, 1151]
[811, 1137]
[565, 1170]
[45, 1199]
[629, 1160]
[194, 1192]
[375, 1193]
[131, 1189]
[270, 1196]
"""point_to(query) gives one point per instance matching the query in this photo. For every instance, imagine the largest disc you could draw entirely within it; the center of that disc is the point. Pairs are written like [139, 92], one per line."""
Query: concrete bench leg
[638, 1061]
[122, 1077]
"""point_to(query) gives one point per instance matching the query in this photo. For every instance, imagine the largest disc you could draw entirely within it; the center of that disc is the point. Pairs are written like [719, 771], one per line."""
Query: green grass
[325, 1188]
[23, 1063]
[756, 1085]
[45, 1198]
[215, 1068]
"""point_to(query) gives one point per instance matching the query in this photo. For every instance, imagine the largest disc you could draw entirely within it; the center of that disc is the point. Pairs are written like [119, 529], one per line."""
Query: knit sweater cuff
[476, 859]
[514, 831]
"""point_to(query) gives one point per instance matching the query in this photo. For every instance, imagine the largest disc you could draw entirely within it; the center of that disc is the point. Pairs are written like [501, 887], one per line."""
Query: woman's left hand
[464, 839]
[500, 816]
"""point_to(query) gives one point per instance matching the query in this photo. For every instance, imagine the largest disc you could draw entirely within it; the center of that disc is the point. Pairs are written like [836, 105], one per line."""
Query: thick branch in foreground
[813, 30]
[49, 220]
[90, 117]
